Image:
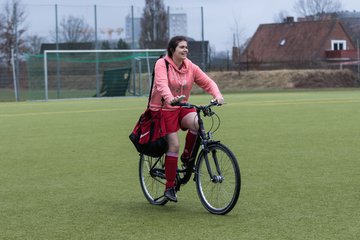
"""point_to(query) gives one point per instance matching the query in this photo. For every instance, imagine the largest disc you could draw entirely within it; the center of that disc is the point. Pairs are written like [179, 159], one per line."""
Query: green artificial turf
[68, 170]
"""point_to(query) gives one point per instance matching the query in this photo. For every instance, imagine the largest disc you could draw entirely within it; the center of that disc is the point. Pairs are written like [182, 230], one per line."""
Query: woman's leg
[171, 159]
[189, 122]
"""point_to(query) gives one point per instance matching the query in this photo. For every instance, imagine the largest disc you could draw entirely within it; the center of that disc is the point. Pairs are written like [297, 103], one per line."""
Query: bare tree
[281, 16]
[238, 39]
[305, 8]
[12, 31]
[33, 43]
[238, 33]
[154, 25]
[75, 29]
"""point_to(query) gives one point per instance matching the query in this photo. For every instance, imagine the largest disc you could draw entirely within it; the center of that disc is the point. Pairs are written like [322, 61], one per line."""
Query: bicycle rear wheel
[219, 192]
[152, 179]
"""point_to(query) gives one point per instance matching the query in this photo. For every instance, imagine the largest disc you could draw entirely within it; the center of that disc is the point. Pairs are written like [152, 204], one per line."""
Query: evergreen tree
[105, 45]
[121, 44]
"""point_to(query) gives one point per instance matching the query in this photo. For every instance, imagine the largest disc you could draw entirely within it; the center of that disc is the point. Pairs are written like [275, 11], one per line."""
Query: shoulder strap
[153, 77]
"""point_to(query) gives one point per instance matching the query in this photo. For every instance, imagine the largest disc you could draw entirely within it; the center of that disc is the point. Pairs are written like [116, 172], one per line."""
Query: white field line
[70, 112]
[297, 102]
[254, 103]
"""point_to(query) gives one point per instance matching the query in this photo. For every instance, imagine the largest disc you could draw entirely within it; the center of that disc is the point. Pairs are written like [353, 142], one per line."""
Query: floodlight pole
[58, 85]
[358, 62]
[168, 15]
[96, 54]
[133, 47]
[46, 76]
[15, 54]
[202, 40]
[132, 28]
[14, 75]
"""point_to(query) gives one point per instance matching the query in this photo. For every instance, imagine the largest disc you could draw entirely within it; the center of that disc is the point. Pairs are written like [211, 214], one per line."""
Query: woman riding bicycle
[169, 84]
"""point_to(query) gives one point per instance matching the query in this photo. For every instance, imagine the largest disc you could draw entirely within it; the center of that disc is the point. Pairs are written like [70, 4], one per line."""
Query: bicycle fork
[205, 142]
[215, 178]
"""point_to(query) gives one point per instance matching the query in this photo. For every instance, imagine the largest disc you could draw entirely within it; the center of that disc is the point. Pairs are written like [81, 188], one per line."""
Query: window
[338, 45]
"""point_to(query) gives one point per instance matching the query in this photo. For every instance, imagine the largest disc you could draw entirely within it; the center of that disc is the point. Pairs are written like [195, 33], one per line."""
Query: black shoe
[187, 162]
[170, 194]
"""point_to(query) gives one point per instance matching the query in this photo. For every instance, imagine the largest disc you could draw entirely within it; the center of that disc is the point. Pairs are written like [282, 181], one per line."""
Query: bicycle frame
[203, 140]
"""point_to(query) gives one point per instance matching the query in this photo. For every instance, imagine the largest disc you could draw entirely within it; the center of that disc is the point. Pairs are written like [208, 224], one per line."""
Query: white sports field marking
[297, 102]
[254, 103]
[68, 112]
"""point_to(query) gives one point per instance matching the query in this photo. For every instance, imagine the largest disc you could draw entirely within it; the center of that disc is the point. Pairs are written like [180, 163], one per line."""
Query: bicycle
[216, 170]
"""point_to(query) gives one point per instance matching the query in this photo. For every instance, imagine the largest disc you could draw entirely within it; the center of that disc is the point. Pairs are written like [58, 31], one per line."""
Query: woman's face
[181, 51]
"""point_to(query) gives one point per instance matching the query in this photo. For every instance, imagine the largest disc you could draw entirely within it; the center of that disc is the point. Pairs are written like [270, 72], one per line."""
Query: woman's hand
[219, 100]
[177, 99]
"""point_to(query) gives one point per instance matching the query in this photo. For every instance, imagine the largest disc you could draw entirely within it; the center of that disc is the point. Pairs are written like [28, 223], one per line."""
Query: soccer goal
[91, 73]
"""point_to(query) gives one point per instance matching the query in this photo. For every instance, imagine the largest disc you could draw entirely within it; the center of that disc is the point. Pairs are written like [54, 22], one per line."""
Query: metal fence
[107, 23]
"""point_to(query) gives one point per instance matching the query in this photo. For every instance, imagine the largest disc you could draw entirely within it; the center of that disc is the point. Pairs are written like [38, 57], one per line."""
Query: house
[307, 44]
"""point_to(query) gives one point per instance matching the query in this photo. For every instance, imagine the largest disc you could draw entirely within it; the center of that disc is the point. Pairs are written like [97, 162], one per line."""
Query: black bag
[149, 133]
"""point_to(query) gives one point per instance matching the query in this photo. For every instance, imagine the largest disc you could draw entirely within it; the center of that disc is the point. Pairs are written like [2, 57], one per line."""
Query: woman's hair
[173, 43]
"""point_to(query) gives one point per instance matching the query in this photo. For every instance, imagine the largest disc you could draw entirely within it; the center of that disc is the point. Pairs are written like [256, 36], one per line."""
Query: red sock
[170, 169]
[189, 143]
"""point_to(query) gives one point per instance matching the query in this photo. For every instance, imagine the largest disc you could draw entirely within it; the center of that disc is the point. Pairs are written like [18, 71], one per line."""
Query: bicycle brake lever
[215, 103]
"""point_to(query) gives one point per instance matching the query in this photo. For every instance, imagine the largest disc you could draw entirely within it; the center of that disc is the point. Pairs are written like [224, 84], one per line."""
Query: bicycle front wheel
[152, 179]
[218, 180]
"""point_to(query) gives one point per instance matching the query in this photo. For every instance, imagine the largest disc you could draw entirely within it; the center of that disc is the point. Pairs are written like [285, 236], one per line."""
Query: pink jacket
[177, 82]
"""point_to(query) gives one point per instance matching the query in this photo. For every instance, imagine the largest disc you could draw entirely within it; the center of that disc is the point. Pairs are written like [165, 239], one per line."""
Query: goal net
[59, 74]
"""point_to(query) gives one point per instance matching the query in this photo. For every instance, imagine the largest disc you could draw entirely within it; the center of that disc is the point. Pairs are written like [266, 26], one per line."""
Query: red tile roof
[294, 41]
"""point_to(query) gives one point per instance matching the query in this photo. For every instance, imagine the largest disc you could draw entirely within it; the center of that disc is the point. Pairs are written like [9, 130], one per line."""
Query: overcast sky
[220, 16]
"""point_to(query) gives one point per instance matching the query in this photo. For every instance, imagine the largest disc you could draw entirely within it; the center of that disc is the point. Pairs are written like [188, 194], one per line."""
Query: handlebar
[207, 112]
[206, 109]
[189, 105]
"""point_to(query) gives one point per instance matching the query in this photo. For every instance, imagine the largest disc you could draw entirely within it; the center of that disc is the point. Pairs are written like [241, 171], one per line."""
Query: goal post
[94, 73]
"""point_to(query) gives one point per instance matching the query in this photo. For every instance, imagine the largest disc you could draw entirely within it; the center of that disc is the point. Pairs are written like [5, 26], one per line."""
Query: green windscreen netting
[81, 74]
